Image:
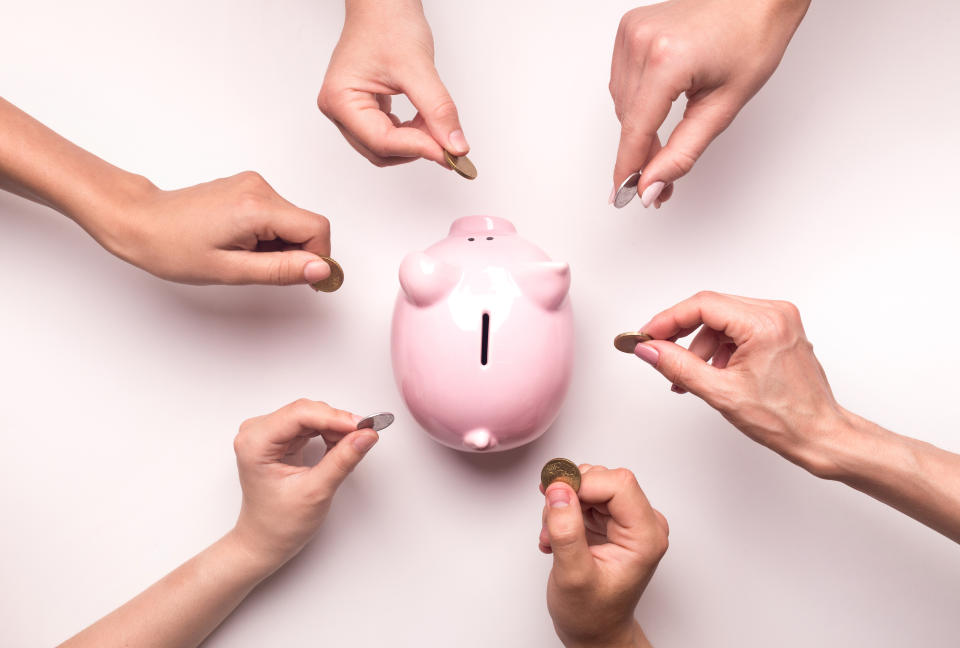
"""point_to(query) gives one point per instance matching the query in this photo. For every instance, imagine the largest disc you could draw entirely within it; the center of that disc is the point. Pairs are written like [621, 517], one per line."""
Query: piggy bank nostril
[471, 239]
[489, 238]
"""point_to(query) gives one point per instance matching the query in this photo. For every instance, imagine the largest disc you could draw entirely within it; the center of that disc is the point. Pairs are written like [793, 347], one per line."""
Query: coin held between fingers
[627, 342]
[376, 422]
[461, 164]
[560, 469]
[332, 282]
[627, 190]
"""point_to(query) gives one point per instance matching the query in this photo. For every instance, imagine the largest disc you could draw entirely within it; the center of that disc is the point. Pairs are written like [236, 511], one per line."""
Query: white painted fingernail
[613, 192]
[650, 193]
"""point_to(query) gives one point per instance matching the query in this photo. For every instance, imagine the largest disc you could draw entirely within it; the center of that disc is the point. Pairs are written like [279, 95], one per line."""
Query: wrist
[251, 556]
[841, 442]
[109, 210]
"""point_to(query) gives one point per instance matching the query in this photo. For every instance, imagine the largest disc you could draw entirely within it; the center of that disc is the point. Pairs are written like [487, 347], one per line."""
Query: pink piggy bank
[482, 339]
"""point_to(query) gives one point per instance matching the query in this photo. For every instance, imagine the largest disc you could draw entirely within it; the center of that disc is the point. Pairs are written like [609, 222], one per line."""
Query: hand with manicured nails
[235, 230]
[386, 48]
[718, 53]
[765, 379]
[606, 543]
[284, 502]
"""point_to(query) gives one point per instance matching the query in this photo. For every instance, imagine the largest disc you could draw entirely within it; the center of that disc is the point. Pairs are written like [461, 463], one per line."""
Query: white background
[835, 189]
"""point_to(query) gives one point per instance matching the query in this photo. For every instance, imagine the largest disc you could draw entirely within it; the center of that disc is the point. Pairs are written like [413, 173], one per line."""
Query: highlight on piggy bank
[482, 339]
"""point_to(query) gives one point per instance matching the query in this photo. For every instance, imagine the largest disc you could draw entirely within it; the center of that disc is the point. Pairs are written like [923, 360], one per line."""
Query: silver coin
[627, 190]
[376, 422]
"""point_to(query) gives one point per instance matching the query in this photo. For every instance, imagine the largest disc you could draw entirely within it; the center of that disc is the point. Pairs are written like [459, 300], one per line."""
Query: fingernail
[647, 354]
[458, 143]
[650, 193]
[316, 271]
[677, 390]
[558, 497]
[613, 194]
[364, 442]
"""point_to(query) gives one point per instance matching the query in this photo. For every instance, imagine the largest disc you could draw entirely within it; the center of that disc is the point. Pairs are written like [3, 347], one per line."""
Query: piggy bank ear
[545, 282]
[426, 280]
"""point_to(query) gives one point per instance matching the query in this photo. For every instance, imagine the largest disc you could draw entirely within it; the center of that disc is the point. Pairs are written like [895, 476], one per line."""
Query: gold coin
[334, 281]
[627, 342]
[461, 164]
[560, 470]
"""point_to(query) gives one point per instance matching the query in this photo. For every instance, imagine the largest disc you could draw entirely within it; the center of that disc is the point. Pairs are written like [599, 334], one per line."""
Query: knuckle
[251, 179]
[300, 406]
[325, 100]
[704, 294]
[790, 310]
[444, 110]
[625, 477]
[665, 49]
[682, 161]
[639, 33]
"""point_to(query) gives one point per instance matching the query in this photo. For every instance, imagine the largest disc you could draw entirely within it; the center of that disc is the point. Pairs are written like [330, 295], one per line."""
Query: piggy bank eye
[489, 238]
[470, 239]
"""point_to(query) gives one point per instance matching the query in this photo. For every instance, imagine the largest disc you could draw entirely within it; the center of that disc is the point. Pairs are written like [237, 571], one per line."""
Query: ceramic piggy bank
[482, 339]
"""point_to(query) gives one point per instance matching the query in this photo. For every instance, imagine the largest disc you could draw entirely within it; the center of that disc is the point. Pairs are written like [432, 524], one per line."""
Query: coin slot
[485, 337]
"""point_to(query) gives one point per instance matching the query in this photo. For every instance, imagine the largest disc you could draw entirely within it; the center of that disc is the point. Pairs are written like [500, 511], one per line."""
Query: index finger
[723, 313]
[619, 495]
[646, 110]
[359, 114]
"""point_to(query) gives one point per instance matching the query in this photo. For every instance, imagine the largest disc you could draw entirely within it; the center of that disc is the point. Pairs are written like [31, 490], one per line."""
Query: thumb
[572, 560]
[683, 368]
[341, 459]
[274, 268]
[702, 121]
[431, 99]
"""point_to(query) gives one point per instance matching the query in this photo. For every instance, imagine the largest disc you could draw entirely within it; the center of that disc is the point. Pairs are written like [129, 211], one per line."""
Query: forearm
[186, 605]
[914, 477]
[39, 165]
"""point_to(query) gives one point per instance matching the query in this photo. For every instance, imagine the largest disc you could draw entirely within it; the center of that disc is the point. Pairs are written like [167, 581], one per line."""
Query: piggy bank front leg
[426, 280]
[545, 282]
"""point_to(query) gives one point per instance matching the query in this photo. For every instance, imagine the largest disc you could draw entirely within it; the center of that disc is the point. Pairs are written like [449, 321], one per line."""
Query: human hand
[717, 52]
[386, 48]
[764, 377]
[284, 502]
[234, 230]
[606, 542]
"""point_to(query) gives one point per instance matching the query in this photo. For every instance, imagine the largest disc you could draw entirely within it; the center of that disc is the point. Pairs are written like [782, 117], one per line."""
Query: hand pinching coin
[376, 422]
[334, 281]
[560, 469]
[627, 190]
[461, 164]
[627, 342]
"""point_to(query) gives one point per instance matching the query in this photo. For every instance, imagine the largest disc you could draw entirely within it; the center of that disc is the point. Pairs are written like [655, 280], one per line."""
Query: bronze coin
[334, 281]
[627, 342]
[461, 164]
[560, 469]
